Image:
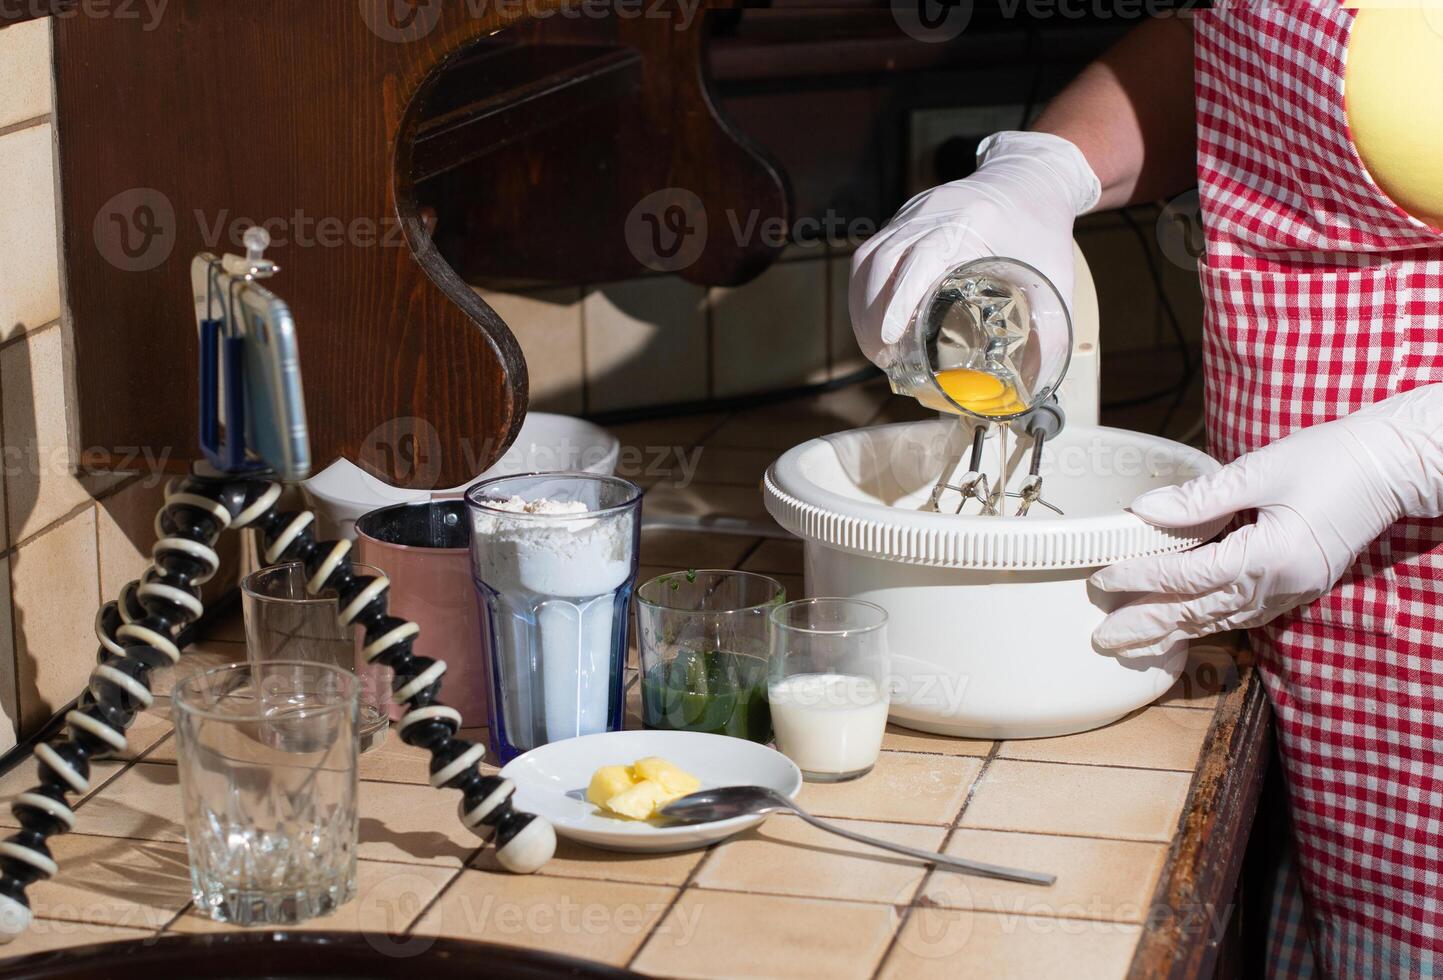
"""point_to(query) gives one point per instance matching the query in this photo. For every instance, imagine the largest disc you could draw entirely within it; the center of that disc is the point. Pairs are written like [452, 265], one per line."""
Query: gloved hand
[1020, 203]
[1322, 494]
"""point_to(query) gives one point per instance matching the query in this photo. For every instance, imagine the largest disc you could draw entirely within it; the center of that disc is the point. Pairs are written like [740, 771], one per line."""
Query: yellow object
[608, 782]
[640, 789]
[1392, 88]
[672, 778]
[977, 391]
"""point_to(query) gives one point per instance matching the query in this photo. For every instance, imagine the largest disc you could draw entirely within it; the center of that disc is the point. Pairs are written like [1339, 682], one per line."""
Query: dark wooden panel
[292, 114]
[1189, 915]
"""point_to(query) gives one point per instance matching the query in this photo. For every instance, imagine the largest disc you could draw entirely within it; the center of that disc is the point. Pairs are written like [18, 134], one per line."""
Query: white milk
[828, 723]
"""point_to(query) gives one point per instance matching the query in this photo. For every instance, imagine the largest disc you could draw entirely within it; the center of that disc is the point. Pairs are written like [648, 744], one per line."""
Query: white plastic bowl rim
[915, 537]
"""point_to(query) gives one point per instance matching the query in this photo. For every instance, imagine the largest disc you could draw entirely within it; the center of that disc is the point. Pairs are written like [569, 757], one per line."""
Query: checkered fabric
[1324, 296]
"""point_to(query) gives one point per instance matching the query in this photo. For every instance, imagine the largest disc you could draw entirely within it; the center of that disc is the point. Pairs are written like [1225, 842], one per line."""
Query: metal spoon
[737, 801]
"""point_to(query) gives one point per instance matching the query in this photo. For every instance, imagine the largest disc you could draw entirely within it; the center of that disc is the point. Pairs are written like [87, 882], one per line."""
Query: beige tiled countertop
[1119, 814]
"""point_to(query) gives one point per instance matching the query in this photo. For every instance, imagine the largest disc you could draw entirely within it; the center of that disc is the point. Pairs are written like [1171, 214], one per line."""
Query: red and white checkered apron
[1322, 297]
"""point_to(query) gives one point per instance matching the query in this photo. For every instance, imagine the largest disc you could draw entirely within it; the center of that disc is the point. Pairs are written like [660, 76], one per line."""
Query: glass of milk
[827, 685]
[554, 558]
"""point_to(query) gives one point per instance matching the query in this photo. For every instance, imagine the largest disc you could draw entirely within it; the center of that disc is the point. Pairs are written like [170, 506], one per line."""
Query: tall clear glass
[267, 755]
[554, 557]
[705, 639]
[829, 685]
[284, 622]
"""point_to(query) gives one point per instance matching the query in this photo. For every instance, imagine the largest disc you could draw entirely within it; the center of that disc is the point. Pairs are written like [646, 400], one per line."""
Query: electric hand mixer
[991, 343]
[253, 432]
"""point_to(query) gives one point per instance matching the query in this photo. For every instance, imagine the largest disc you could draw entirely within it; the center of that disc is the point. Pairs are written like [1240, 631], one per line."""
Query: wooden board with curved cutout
[297, 116]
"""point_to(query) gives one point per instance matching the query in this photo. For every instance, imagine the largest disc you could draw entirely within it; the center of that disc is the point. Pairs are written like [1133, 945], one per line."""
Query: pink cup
[424, 549]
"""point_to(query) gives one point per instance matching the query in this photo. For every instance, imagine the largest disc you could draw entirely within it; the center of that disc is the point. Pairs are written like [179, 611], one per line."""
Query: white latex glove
[1322, 494]
[1020, 204]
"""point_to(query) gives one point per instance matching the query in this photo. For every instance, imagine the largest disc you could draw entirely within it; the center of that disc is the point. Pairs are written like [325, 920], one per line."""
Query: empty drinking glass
[284, 622]
[704, 645]
[828, 685]
[267, 756]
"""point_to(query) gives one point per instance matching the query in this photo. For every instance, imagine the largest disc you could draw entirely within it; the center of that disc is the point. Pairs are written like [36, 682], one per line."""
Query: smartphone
[275, 405]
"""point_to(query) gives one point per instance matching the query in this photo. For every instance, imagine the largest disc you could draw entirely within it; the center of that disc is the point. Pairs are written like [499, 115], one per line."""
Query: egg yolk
[979, 392]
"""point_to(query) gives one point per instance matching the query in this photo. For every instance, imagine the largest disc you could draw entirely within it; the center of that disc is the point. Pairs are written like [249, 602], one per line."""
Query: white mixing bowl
[991, 617]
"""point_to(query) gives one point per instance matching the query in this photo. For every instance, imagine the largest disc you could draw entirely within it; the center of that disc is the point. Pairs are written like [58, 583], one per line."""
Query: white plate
[551, 782]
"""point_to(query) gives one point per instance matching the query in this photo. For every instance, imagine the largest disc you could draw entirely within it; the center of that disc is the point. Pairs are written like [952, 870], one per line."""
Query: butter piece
[672, 778]
[607, 782]
[641, 801]
[640, 789]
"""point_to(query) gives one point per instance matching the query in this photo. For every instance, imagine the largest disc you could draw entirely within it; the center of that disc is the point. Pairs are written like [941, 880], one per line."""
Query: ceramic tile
[679, 550]
[661, 437]
[39, 486]
[726, 465]
[1096, 879]
[787, 856]
[9, 667]
[143, 804]
[388, 898]
[771, 333]
[45, 935]
[1091, 801]
[1153, 738]
[718, 934]
[54, 595]
[961, 945]
[595, 920]
[720, 508]
[547, 325]
[776, 555]
[646, 343]
[903, 788]
[126, 531]
[782, 427]
[576, 861]
[1211, 671]
[138, 884]
[396, 762]
[22, 777]
[899, 739]
[30, 288]
[402, 823]
[24, 72]
[145, 732]
[844, 354]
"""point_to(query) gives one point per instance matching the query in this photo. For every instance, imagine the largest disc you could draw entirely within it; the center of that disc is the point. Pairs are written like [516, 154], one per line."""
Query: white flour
[556, 570]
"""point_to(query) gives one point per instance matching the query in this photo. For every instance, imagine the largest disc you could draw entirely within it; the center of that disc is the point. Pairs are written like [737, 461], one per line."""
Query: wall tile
[770, 333]
[126, 531]
[39, 487]
[645, 343]
[844, 354]
[24, 72]
[547, 325]
[30, 287]
[55, 594]
[9, 704]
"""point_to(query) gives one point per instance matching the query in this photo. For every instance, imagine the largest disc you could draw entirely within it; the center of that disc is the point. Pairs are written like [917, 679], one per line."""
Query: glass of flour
[554, 559]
